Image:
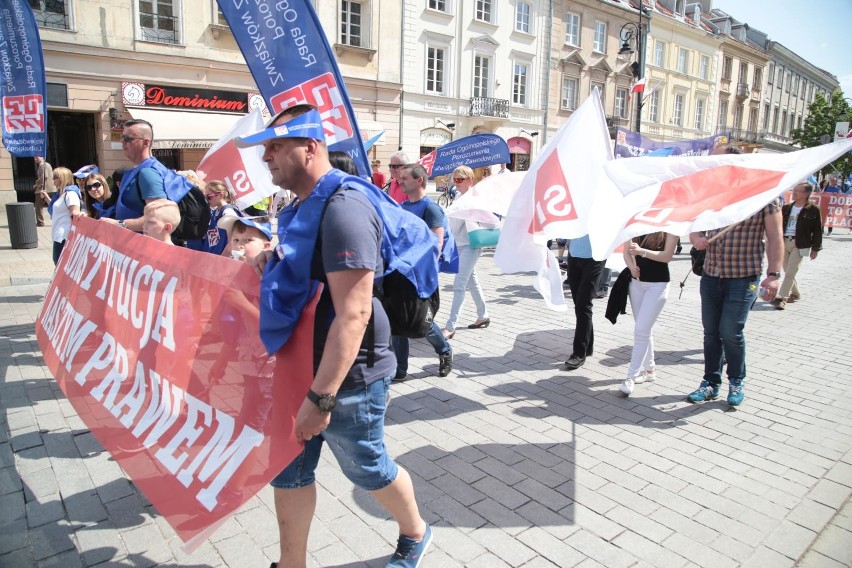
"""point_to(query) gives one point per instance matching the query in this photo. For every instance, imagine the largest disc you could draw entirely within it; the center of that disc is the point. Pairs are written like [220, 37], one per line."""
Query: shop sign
[161, 96]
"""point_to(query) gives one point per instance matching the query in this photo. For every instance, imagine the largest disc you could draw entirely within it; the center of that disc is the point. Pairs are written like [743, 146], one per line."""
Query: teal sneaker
[705, 391]
[409, 553]
[735, 393]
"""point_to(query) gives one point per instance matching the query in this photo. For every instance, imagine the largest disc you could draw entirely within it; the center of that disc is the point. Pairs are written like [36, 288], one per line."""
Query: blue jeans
[725, 303]
[57, 251]
[464, 280]
[356, 438]
[400, 346]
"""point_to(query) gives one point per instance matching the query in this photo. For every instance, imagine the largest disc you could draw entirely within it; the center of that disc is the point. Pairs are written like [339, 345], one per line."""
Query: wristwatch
[325, 402]
[775, 274]
[122, 225]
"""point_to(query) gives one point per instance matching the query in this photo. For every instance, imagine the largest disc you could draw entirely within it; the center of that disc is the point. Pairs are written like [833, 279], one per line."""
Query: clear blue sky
[817, 30]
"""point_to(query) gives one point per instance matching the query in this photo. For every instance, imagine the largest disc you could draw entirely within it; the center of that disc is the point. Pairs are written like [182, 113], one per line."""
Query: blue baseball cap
[85, 171]
[308, 125]
[264, 227]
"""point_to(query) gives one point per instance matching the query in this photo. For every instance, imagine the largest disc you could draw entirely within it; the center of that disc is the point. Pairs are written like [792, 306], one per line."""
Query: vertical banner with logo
[23, 92]
[292, 63]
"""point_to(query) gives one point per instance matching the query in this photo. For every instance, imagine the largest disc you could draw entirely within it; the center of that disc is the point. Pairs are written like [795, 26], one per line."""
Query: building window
[752, 120]
[743, 73]
[677, 118]
[600, 37]
[439, 5]
[723, 116]
[771, 75]
[788, 78]
[683, 60]
[704, 67]
[601, 87]
[660, 54]
[519, 84]
[481, 75]
[738, 117]
[435, 66]
[51, 14]
[757, 79]
[727, 68]
[778, 75]
[484, 11]
[351, 30]
[766, 113]
[158, 21]
[783, 123]
[522, 17]
[654, 106]
[621, 103]
[699, 114]
[569, 93]
[572, 29]
[220, 17]
[775, 121]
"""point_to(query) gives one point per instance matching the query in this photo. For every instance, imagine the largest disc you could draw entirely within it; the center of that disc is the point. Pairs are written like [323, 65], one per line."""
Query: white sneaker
[627, 386]
[645, 376]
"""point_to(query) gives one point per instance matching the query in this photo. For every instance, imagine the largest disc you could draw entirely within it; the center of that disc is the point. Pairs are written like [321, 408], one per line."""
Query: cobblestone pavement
[516, 462]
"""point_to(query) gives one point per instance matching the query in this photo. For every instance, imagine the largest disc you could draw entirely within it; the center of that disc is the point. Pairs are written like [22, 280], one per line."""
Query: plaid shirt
[739, 252]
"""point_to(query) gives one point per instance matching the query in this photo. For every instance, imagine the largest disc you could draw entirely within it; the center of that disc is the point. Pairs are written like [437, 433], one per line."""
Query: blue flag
[474, 151]
[23, 91]
[292, 63]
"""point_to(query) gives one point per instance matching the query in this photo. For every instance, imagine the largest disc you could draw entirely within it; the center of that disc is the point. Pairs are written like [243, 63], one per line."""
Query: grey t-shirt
[350, 239]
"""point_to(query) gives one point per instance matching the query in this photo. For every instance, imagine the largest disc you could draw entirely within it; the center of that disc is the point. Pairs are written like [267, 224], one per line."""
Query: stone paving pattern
[515, 461]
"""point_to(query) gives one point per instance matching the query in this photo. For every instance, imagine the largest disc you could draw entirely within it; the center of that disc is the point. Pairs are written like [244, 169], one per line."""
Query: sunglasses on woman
[96, 185]
[459, 180]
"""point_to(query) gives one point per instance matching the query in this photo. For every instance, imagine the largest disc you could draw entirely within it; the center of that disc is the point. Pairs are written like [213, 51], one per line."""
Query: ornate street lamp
[636, 35]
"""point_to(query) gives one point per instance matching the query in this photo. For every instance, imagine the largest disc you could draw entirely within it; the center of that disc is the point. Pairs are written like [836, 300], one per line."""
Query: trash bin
[22, 225]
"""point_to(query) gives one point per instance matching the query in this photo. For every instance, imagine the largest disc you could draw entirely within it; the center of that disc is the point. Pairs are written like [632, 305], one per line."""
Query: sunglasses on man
[396, 166]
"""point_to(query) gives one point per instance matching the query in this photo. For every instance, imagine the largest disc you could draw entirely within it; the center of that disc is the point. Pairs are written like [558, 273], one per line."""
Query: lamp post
[636, 33]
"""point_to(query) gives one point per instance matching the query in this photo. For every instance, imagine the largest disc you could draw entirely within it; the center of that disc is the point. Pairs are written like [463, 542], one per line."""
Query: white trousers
[646, 300]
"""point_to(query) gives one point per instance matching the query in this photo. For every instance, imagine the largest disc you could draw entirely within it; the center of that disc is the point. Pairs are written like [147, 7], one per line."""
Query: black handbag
[698, 260]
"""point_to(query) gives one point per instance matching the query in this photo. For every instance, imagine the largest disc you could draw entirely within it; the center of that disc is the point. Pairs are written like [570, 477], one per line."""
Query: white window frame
[653, 106]
[482, 83]
[575, 24]
[683, 60]
[521, 98]
[700, 106]
[177, 8]
[757, 78]
[621, 102]
[480, 7]
[770, 77]
[677, 109]
[365, 30]
[523, 20]
[660, 54]
[444, 70]
[565, 103]
[446, 9]
[599, 44]
[51, 20]
[727, 67]
[723, 116]
[703, 67]
[743, 74]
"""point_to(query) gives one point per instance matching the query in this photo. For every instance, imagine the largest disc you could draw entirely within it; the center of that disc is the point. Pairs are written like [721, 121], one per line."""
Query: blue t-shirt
[151, 186]
[350, 239]
[580, 247]
[433, 214]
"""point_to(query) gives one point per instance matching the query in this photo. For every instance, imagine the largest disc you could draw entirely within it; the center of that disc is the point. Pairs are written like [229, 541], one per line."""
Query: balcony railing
[158, 28]
[486, 106]
[50, 14]
[748, 136]
[742, 90]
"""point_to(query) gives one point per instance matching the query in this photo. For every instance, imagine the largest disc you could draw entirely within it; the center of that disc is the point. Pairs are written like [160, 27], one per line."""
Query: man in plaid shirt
[729, 286]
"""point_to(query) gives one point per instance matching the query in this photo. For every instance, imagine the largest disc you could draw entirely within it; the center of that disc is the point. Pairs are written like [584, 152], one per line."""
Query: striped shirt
[739, 252]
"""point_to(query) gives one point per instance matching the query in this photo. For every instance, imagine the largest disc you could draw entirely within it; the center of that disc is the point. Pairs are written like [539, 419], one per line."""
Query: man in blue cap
[334, 237]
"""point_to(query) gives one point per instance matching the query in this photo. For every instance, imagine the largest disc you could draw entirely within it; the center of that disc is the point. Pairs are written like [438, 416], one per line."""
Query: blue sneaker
[735, 393]
[705, 391]
[409, 553]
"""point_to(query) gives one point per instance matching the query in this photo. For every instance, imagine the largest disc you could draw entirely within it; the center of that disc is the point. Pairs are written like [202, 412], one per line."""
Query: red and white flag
[639, 86]
[241, 169]
[555, 198]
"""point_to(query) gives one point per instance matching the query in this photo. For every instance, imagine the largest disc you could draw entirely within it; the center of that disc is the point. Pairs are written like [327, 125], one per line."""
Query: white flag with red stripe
[639, 86]
[684, 194]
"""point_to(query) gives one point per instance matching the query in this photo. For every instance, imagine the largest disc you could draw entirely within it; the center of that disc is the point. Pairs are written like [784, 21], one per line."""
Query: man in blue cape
[332, 233]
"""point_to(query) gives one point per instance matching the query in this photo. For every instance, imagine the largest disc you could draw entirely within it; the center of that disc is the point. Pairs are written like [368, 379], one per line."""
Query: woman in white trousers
[648, 258]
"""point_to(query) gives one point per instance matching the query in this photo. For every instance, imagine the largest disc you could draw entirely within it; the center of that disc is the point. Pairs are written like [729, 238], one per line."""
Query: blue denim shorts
[355, 436]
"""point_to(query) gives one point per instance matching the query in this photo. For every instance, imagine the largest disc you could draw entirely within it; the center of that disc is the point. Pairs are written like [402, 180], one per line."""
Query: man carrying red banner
[729, 287]
[334, 237]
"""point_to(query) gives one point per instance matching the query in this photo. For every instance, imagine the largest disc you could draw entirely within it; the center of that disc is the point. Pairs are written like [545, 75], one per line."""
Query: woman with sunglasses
[99, 199]
[63, 208]
[466, 276]
[219, 198]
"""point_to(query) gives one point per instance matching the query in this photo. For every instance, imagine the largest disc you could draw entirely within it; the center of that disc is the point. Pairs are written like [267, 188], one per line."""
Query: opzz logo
[23, 114]
[323, 93]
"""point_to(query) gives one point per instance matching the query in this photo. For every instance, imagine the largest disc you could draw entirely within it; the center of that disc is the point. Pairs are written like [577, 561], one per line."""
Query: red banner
[157, 348]
[836, 209]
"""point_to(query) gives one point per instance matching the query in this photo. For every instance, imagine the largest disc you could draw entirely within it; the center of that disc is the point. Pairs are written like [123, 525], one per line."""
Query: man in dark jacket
[802, 224]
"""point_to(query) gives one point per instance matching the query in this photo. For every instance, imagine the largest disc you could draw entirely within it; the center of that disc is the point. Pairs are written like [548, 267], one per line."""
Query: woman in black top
[648, 258]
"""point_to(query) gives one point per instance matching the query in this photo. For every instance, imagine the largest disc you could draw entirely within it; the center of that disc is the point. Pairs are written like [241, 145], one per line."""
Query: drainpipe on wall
[402, 77]
[548, 44]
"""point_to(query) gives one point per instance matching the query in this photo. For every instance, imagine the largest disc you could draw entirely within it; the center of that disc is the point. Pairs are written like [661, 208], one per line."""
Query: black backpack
[194, 210]
[409, 315]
